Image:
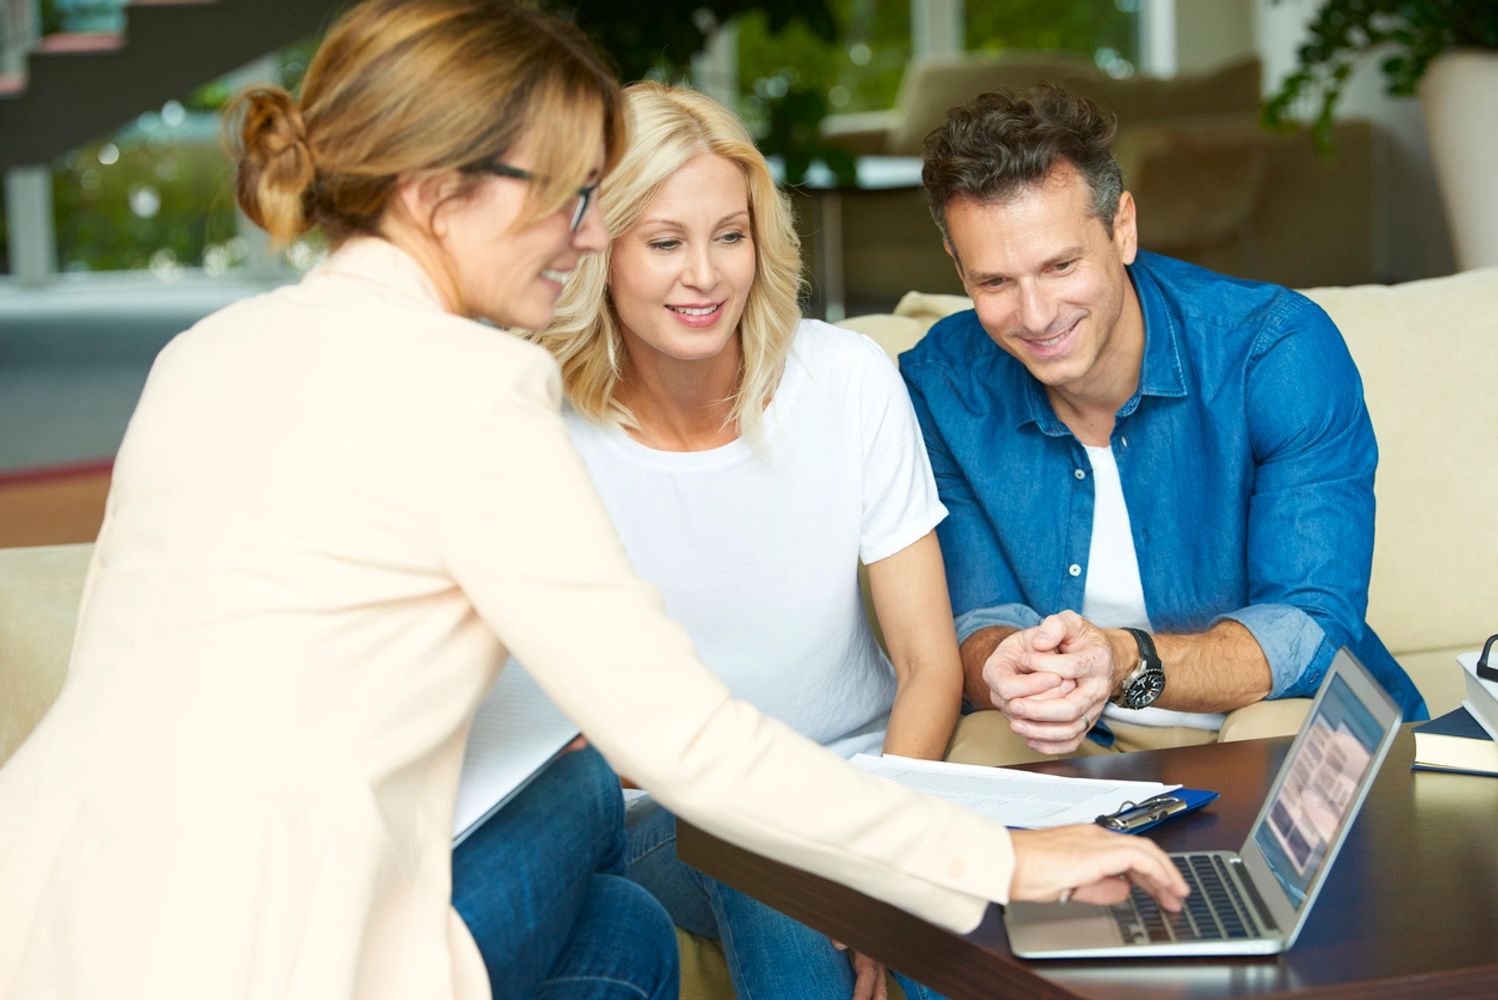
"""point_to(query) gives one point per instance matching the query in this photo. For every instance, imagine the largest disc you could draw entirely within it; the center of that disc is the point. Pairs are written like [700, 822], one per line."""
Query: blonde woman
[337, 507]
[751, 459]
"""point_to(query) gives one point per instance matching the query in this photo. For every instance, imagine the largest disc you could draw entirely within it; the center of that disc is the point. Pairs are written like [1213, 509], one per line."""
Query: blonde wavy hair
[667, 127]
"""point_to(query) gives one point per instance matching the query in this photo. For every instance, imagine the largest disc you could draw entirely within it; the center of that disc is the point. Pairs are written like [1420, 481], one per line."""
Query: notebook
[516, 732]
[1455, 742]
[1256, 900]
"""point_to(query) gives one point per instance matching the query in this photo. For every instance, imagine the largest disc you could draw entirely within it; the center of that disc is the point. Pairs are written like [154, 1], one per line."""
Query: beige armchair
[933, 85]
[1213, 186]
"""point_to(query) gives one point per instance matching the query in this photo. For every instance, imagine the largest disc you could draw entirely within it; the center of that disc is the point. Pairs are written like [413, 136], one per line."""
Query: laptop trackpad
[1049, 926]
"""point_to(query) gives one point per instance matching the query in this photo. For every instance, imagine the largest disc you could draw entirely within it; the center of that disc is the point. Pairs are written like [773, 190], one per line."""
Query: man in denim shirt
[1160, 479]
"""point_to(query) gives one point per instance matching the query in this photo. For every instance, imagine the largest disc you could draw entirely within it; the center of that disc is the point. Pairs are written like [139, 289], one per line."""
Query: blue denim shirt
[1246, 457]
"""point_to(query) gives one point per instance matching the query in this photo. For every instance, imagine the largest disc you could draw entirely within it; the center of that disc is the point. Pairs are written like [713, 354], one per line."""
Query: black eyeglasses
[584, 193]
[1487, 671]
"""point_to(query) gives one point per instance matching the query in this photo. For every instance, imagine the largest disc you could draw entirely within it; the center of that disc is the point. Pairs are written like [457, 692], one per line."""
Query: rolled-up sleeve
[1010, 615]
[1293, 643]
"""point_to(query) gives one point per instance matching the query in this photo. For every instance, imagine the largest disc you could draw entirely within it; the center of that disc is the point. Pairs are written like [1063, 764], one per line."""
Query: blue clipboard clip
[1137, 817]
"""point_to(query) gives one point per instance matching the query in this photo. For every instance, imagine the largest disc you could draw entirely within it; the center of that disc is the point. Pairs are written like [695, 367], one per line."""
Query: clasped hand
[1053, 680]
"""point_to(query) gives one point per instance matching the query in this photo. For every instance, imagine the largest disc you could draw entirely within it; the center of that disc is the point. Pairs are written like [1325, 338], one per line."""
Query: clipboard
[1137, 817]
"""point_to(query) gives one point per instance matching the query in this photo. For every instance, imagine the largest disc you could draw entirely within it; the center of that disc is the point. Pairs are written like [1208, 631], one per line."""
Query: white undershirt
[1114, 595]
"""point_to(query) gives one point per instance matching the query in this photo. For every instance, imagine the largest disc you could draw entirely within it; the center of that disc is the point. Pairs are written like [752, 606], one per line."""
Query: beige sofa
[1428, 352]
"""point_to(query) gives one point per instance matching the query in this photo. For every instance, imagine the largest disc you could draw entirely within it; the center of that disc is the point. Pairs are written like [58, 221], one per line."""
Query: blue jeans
[540, 886]
[769, 955]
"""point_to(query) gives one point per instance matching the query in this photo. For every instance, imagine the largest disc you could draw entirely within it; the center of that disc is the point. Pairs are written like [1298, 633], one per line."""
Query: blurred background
[118, 227]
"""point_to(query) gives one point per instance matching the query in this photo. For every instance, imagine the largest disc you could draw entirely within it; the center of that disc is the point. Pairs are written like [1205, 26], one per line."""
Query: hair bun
[272, 123]
[275, 162]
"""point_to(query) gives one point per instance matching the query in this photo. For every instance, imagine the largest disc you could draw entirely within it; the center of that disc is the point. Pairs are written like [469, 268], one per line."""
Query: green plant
[793, 133]
[661, 47]
[1409, 34]
[57, 16]
[662, 44]
[858, 68]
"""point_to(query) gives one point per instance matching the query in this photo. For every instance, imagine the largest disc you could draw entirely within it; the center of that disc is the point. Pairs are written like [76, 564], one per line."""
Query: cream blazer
[336, 508]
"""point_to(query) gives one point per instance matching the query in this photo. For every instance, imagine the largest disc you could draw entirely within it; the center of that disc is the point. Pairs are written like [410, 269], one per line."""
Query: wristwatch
[1146, 682]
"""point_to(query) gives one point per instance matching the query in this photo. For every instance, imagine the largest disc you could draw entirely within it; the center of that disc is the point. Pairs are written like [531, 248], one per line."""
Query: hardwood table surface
[1410, 908]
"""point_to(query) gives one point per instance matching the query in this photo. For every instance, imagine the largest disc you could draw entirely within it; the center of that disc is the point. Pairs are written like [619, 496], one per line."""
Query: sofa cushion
[1197, 180]
[1233, 87]
[39, 593]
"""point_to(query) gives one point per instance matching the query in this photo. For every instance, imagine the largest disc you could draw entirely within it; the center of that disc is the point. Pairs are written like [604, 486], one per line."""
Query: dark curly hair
[1001, 142]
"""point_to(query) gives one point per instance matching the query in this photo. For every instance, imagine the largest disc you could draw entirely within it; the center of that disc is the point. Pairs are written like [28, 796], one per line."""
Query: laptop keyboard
[1215, 910]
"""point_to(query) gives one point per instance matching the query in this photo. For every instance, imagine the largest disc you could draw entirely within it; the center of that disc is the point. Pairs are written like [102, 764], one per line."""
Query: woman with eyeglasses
[336, 508]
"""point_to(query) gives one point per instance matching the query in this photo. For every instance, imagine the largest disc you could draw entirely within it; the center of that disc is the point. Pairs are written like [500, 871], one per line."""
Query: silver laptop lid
[1319, 790]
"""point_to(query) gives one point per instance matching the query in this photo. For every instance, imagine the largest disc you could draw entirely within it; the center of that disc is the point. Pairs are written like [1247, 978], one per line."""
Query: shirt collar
[1160, 371]
[377, 261]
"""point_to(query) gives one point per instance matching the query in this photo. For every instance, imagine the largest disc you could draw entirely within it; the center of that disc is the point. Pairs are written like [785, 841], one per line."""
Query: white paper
[1482, 695]
[515, 733]
[1021, 799]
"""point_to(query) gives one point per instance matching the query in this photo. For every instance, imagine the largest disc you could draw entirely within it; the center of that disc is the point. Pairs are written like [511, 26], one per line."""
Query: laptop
[1254, 901]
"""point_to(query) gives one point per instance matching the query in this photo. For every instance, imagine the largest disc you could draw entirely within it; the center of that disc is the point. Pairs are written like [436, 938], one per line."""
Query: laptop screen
[1319, 789]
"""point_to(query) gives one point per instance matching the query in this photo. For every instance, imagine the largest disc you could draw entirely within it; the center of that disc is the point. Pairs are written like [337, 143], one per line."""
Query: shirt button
[1080, 474]
[1123, 440]
[1074, 569]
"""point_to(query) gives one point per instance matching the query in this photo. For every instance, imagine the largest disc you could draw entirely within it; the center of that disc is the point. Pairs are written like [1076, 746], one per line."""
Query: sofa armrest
[1220, 191]
[40, 588]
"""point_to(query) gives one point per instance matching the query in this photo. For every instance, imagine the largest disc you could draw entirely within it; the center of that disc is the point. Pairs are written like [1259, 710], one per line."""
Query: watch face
[1146, 690]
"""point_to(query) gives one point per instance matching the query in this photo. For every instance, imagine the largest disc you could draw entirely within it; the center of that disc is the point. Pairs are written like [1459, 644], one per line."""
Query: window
[81, 15]
[859, 70]
[1107, 31]
[158, 194]
[155, 195]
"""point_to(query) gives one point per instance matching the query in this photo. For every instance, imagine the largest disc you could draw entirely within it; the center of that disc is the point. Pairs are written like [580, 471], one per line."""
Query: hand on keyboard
[1096, 866]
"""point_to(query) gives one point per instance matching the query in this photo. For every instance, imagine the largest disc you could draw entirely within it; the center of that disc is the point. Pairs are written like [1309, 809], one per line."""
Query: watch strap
[1146, 645]
[1149, 662]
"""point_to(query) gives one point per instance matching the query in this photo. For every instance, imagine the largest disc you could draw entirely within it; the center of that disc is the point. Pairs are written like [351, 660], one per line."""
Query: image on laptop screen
[1319, 787]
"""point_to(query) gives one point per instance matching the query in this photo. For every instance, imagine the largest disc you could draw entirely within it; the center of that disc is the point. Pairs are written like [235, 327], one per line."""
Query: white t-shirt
[1114, 594]
[756, 549]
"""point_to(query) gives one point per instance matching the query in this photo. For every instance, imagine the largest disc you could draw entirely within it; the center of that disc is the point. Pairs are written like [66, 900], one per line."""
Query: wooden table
[1410, 909]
